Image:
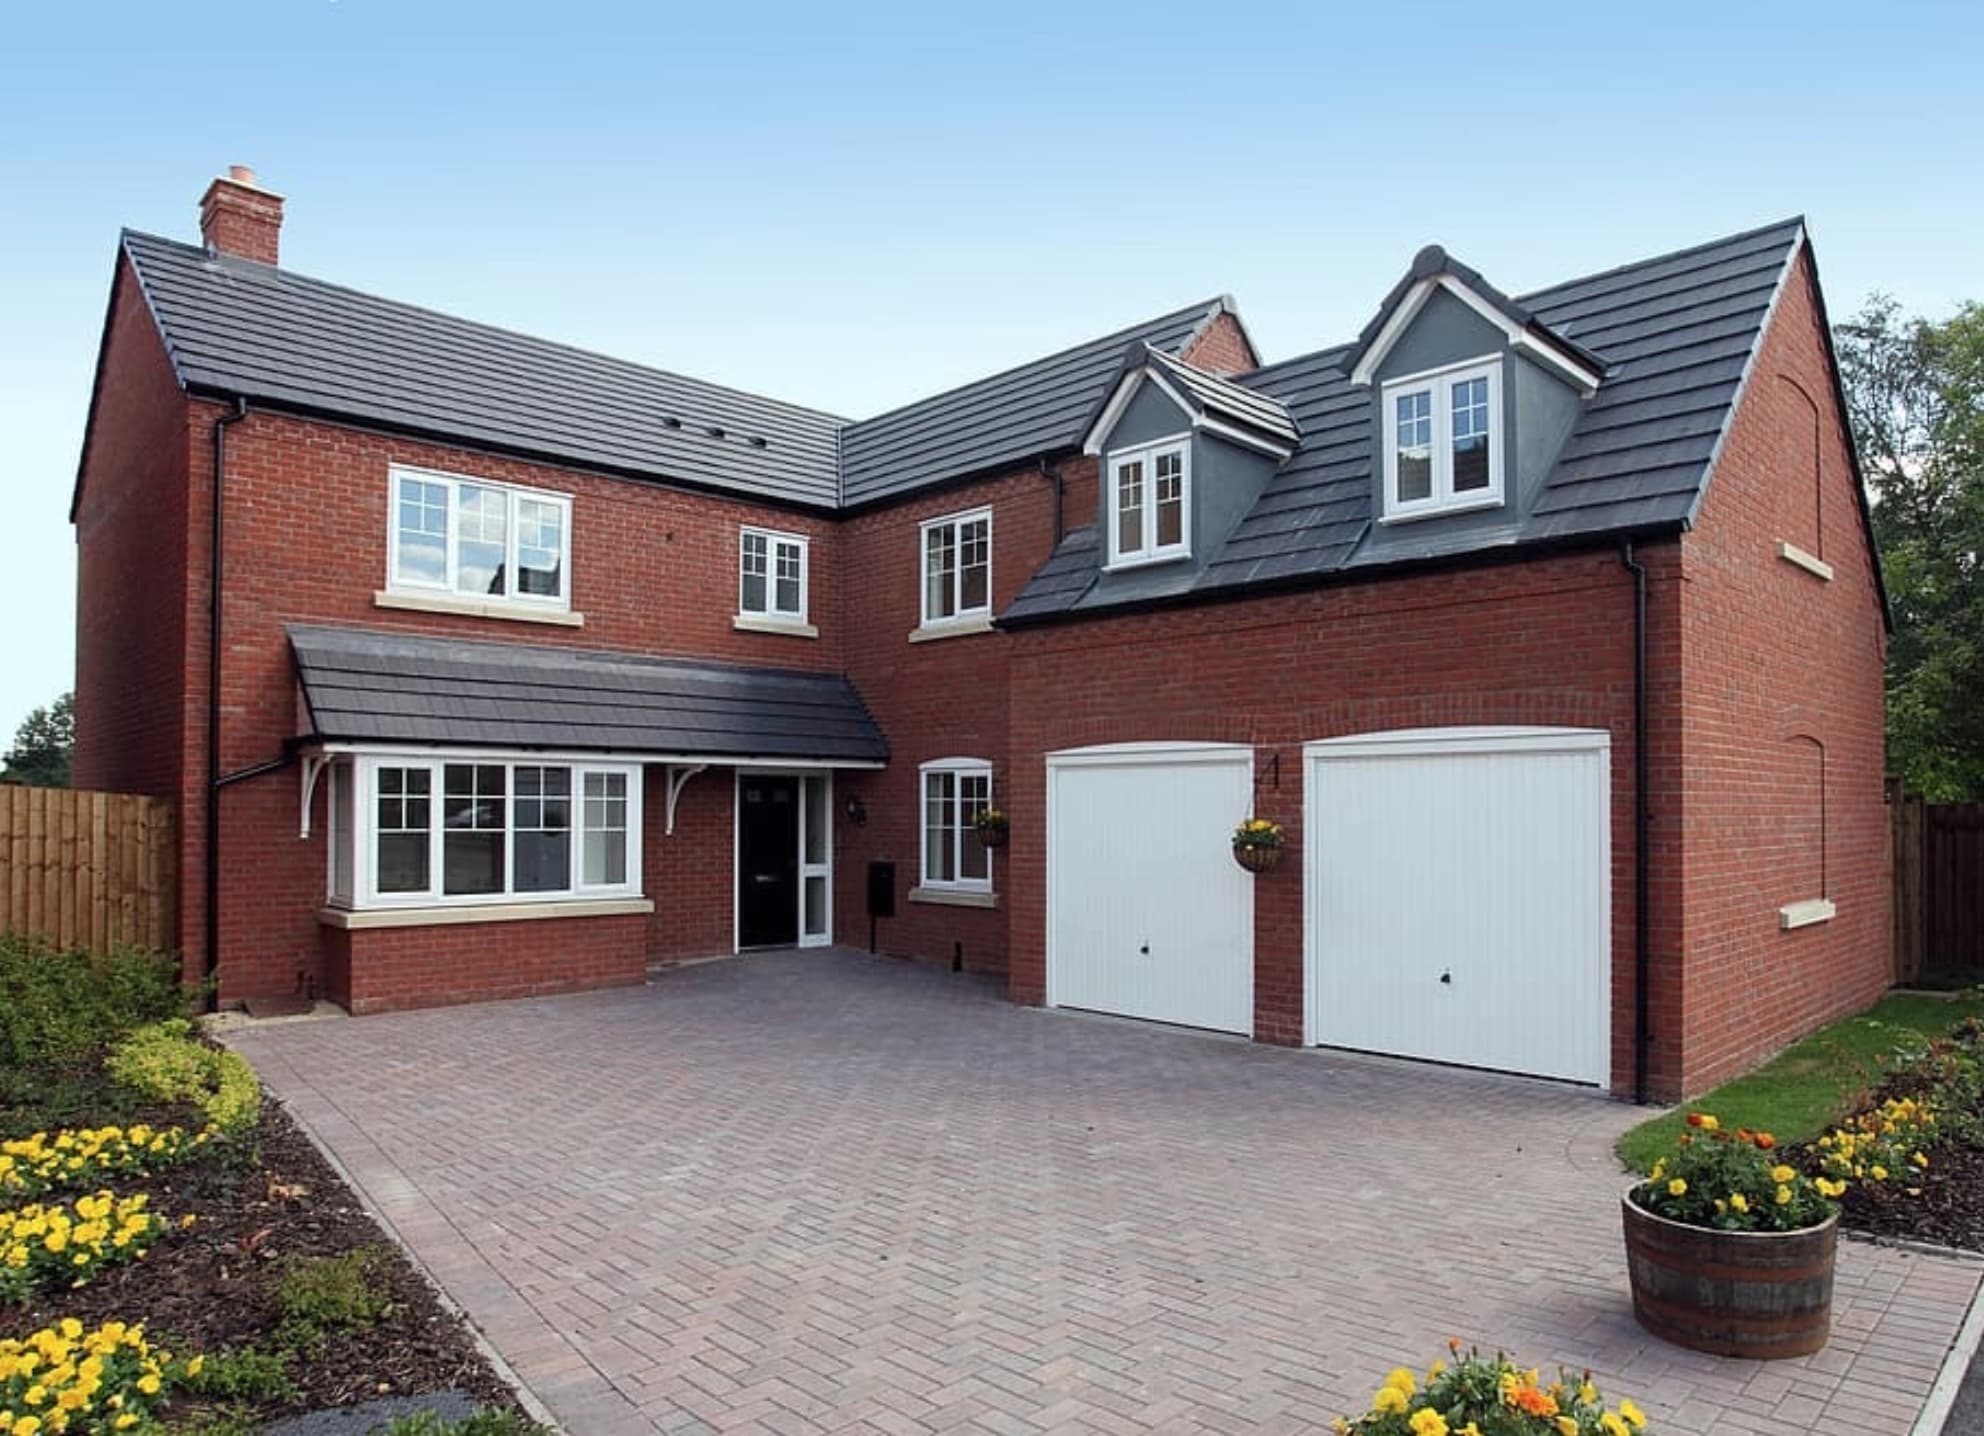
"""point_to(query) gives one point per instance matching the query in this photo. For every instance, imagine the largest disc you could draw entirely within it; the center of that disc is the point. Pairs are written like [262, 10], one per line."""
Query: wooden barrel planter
[1755, 1294]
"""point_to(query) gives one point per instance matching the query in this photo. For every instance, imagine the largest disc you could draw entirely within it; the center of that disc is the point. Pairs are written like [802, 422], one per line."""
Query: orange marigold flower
[1766, 1141]
[1528, 1399]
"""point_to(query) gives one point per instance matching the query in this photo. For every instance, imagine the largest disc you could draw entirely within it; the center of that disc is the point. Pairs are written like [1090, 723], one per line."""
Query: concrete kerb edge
[1956, 1363]
[533, 1406]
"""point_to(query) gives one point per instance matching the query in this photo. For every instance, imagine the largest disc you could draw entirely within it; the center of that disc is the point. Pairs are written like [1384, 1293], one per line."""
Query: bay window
[434, 830]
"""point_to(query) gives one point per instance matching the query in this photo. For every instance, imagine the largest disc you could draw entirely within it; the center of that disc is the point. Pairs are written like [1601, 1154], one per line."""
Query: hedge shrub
[61, 1005]
[164, 1060]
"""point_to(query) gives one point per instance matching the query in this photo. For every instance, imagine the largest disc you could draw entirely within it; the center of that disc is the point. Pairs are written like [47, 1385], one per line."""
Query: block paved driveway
[824, 1192]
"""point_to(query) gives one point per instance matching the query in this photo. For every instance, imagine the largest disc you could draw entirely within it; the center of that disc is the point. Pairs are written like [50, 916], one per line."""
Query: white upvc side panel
[1458, 896]
[1147, 913]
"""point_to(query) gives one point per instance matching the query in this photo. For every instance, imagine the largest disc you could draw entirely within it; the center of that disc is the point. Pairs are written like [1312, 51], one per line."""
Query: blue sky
[851, 205]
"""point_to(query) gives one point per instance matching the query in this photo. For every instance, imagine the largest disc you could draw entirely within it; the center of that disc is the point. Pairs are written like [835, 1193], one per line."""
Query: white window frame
[774, 540]
[976, 616]
[958, 768]
[362, 772]
[1150, 551]
[559, 602]
[1439, 383]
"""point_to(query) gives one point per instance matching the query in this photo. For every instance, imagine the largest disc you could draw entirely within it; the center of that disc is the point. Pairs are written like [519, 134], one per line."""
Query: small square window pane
[754, 593]
[1415, 477]
[1470, 465]
[543, 861]
[402, 862]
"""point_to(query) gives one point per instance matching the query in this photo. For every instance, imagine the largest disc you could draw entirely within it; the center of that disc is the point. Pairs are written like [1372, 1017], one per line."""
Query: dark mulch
[214, 1286]
[1950, 1210]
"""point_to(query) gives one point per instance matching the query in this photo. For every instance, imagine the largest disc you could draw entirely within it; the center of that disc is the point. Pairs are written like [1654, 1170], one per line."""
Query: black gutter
[215, 534]
[1642, 904]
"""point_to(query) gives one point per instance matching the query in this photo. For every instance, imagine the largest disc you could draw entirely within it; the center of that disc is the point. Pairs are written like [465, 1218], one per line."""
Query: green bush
[245, 1374]
[319, 1295]
[164, 1060]
[486, 1422]
[61, 1005]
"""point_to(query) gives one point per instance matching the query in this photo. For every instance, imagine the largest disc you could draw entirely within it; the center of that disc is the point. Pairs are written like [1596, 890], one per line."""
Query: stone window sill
[787, 627]
[440, 916]
[477, 608]
[1804, 914]
[1811, 563]
[953, 897]
[951, 628]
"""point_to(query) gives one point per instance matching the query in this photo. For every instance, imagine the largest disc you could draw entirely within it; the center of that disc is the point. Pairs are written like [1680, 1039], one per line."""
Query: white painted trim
[1112, 412]
[772, 618]
[961, 767]
[823, 871]
[309, 770]
[1147, 454]
[1094, 441]
[963, 516]
[357, 919]
[783, 627]
[953, 628]
[1438, 384]
[1811, 563]
[581, 755]
[449, 586]
[1518, 337]
[954, 897]
[1806, 913]
[477, 607]
[1242, 437]
[1421, 742]
[677, 778]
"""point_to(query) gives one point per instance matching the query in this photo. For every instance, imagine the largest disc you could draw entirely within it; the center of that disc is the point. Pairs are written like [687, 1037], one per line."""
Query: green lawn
[1793, 1095]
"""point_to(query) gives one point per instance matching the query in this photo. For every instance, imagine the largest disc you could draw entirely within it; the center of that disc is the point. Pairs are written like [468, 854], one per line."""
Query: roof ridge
[581, 350]
[1796, 220]
[1124, 333]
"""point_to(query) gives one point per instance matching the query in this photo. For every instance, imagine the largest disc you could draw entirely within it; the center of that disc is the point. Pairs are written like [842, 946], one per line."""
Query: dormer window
[1150, 503]
[1443, 447]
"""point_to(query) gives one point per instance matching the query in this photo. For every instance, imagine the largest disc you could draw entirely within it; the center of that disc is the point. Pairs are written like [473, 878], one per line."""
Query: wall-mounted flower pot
[1255, 859]
[993, 835]
[1752, 1294]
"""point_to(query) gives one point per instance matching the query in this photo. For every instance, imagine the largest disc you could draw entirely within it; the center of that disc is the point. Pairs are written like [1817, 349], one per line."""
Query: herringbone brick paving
[825, 1192]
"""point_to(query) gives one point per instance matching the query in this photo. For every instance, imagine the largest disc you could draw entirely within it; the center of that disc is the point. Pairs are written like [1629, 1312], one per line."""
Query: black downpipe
[215, 782]
[1642, 901]
[1053, 475]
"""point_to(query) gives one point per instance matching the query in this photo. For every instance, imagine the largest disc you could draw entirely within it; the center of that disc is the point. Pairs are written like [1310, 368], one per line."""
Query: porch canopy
[370, 688]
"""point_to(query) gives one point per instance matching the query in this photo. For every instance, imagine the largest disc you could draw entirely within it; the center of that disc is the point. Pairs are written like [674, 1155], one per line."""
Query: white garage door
[1458, 897]
[1147, 913]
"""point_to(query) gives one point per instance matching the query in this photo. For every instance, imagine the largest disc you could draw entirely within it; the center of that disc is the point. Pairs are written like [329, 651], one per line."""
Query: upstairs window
[957, 568]
[461, 536]
[1443, 448]
[1150, 503]
[772, 576]
[955, 792]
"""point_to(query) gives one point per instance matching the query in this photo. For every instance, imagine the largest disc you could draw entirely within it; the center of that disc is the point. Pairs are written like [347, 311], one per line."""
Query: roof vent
[715, 431]
[756, 442]
[671, 423]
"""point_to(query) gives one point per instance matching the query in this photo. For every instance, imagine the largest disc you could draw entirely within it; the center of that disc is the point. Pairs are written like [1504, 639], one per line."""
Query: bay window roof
[363, 686]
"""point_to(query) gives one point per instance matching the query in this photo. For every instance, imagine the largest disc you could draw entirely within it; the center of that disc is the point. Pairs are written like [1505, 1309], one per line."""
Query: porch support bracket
[678, 779]
[313, 768]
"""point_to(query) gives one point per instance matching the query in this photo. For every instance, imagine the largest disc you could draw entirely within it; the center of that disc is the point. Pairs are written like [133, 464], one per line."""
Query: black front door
[767, 861]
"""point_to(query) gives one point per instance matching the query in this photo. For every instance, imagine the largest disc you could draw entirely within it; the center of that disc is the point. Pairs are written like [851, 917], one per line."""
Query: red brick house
[1549, 628]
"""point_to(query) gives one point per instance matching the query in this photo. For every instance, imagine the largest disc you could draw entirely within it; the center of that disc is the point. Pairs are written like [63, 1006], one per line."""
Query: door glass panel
[813, 851]
[816, 906]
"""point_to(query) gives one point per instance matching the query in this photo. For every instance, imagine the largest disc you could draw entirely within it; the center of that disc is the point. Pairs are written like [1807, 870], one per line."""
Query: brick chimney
[239, 217]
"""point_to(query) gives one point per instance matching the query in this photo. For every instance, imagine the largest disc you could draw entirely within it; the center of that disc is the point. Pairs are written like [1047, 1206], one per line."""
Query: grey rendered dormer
[1182, 456]
[1472, 400]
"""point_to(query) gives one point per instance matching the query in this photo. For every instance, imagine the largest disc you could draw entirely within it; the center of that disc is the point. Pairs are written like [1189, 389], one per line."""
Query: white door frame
[1424, 742]
[806, 869]
[1141, 755]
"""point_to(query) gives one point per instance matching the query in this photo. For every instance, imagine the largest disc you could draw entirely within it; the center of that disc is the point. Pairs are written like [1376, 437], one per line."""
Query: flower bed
[81, 1158]
[1475, 1395]
[59, 1245]
[70, 1381]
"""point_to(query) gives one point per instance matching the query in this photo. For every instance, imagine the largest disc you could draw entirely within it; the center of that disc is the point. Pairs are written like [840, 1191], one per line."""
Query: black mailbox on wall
[881, 888]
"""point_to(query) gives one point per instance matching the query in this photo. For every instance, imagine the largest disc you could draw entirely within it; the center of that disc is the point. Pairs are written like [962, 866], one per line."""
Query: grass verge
[1797, 1092]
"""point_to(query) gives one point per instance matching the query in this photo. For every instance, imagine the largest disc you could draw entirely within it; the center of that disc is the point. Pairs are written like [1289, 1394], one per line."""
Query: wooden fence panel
[1906, 823]
[87, 869]
[1953, 883]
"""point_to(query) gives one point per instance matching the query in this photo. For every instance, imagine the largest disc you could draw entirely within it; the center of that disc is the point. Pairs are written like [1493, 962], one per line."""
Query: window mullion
[1443, 452]
[452, 565]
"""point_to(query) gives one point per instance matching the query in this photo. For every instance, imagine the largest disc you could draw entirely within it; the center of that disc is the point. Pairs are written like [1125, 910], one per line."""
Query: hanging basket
[993, 828]
[1255, 859]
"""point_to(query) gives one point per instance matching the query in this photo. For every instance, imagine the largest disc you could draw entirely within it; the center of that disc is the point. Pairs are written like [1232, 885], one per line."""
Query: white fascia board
[1519, 338]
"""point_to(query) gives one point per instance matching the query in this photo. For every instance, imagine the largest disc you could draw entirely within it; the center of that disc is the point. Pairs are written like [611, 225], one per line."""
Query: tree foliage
[43, 746]
[1915, 393]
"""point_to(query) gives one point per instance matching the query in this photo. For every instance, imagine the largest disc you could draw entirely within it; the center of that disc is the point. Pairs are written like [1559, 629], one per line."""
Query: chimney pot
[239, 217]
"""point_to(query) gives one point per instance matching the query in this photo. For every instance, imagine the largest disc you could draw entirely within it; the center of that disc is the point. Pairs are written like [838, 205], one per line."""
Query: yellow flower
[1782, 1174]
[1390, 1401]
[1428, 1422]
[1677, 1188]
[1567, 1426]
[1434, 1371]
[1612, 1426]
[1784, 1196]
[1880, 1172]
[149, 1384]
[1740, 1202]
[1632, 1414]
[1402, 1380]
[1708, 1122]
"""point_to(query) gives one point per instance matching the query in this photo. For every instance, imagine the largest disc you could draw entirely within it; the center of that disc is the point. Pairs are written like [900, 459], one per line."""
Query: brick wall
[938, 699]
[1222, 348]
[1547, 642]
[131, 533]
[392, 968]
[1783, 676]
